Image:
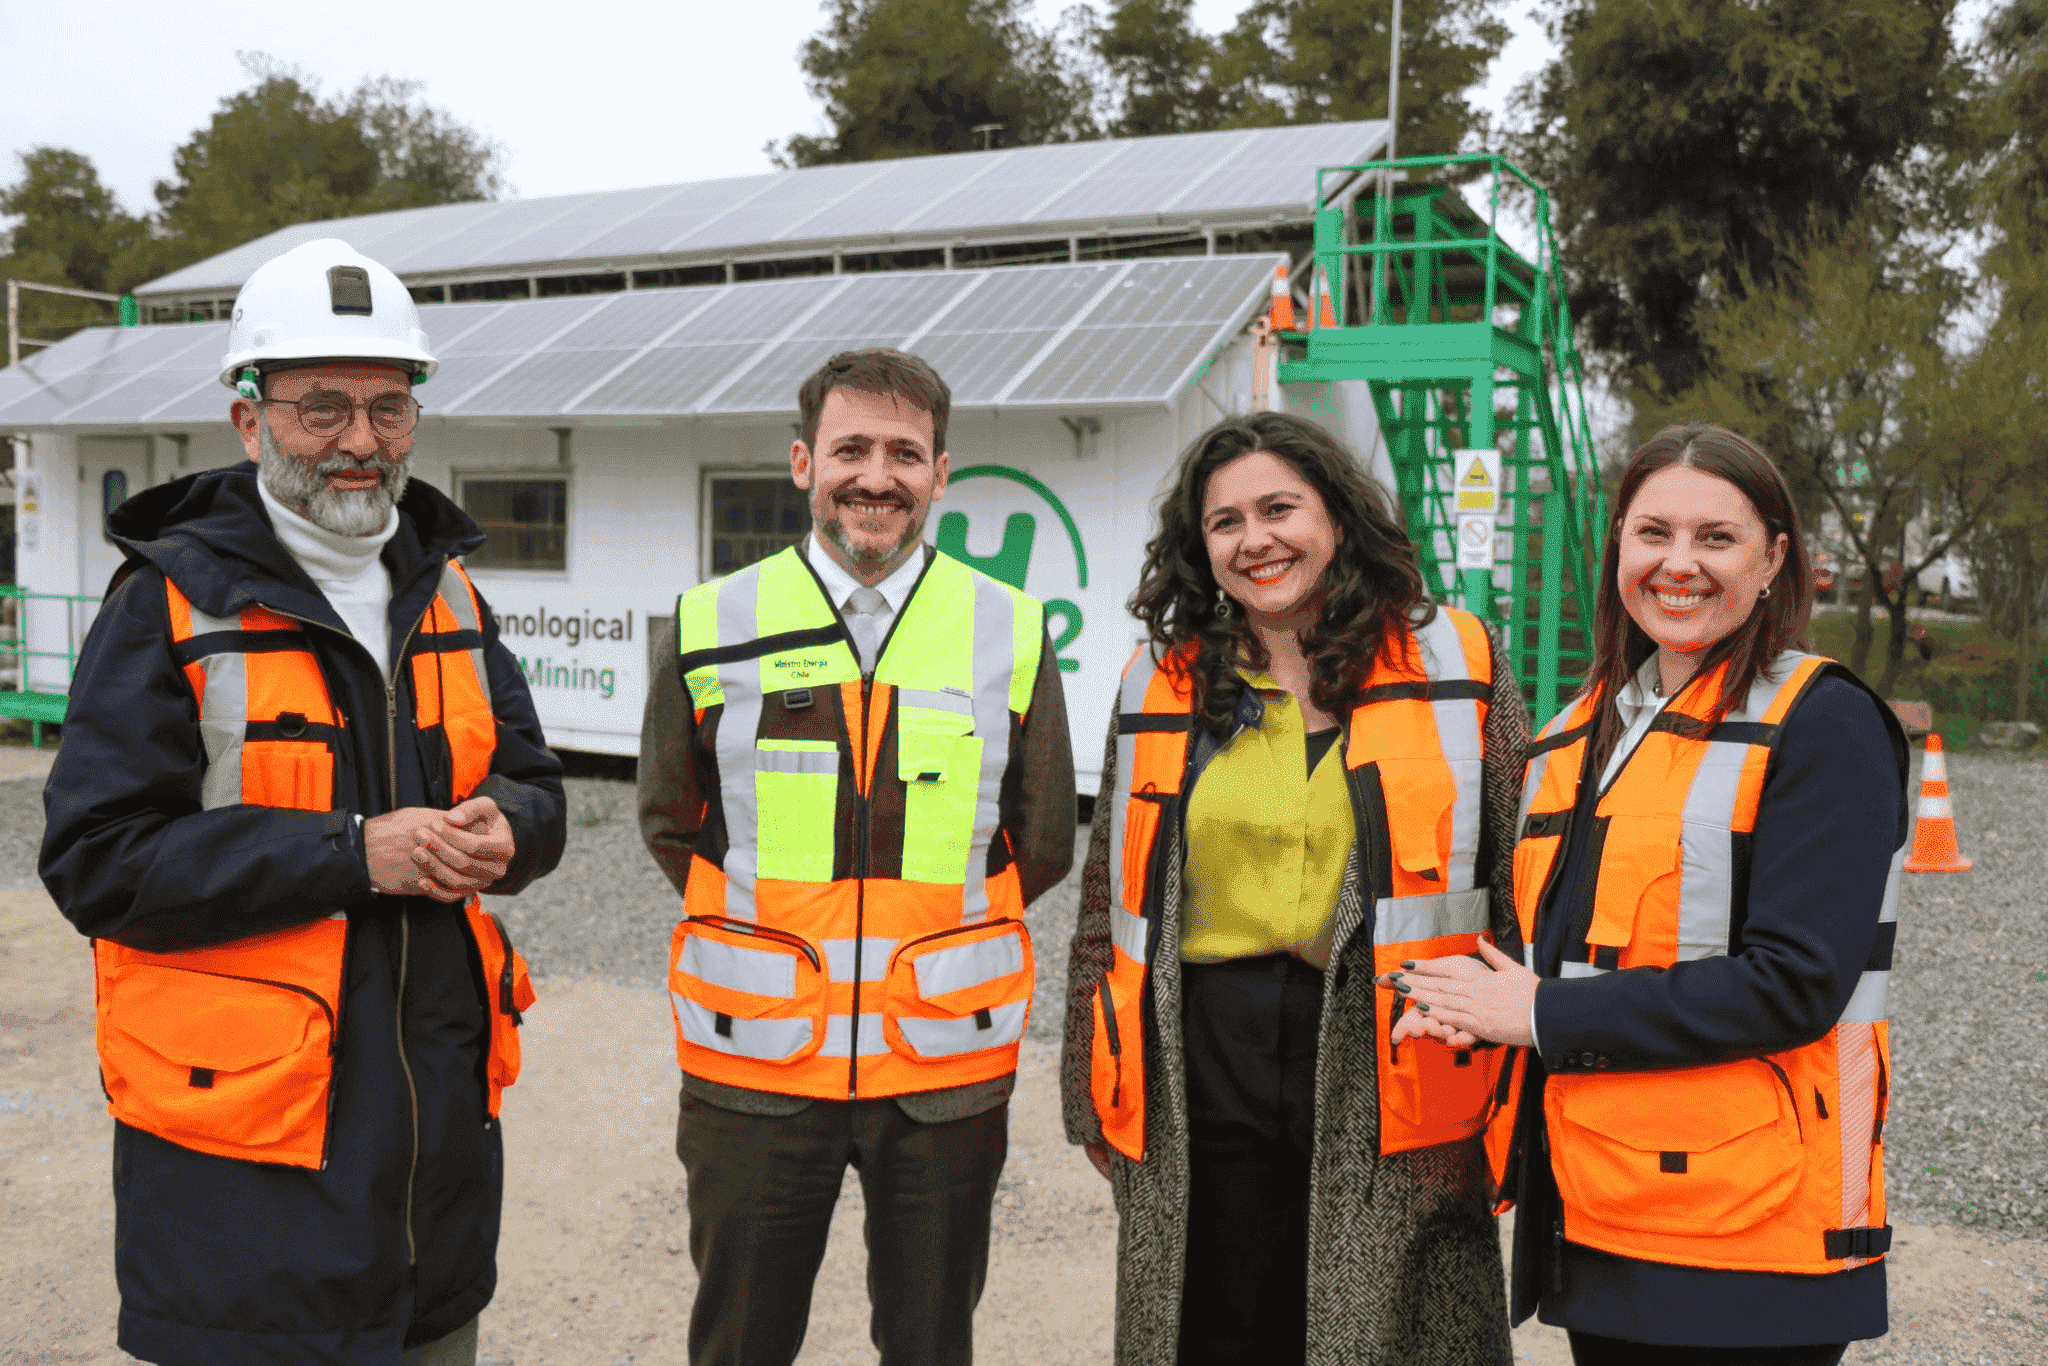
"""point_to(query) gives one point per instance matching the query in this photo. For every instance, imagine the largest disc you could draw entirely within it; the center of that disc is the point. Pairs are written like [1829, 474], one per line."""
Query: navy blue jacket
[394, 1243]
[1832, 813]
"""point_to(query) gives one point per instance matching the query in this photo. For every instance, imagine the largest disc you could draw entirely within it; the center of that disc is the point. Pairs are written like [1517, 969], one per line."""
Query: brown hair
[1776, 624]
[1371, 578]
[878, 370]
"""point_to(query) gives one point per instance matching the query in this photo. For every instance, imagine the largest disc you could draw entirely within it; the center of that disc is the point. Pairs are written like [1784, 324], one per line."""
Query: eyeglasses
[326, 413]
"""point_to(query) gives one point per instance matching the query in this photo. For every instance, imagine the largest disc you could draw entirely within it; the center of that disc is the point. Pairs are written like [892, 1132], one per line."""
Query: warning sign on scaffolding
[1475, 540]
[1478, 480]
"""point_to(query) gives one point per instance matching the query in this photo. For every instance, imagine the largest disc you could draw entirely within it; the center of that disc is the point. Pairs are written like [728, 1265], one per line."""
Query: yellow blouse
[1266, 842]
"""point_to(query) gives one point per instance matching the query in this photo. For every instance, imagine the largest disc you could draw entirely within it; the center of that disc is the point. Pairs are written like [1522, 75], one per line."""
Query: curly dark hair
[1371, 579]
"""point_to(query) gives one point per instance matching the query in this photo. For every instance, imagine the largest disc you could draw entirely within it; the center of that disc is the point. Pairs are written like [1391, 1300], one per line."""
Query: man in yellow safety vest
[855, 769]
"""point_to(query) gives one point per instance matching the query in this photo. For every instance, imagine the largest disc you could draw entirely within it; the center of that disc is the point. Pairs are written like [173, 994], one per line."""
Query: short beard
[834, 530]
[304, 489]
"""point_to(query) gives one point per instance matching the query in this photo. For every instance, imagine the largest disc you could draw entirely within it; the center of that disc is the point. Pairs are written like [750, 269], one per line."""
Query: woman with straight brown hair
[1706, 874]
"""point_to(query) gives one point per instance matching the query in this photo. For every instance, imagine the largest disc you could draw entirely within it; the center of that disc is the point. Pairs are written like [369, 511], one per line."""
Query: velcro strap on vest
[1842, 1243]
[1147, 722]
[1443, 690]
[1569, 736]
[1544, 823]
[1721, 732]
[756, 648]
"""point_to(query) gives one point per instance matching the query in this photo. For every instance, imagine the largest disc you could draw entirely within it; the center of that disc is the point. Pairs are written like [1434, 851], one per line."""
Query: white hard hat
[323, 300]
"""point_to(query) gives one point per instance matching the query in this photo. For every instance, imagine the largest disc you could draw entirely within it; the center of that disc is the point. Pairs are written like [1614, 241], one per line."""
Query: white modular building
[617, 392]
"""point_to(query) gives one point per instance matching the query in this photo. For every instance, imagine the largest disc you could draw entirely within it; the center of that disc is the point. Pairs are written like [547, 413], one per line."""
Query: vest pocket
[963, 990]
[1704, 1150]
[1141, 828]
[510, 991]
[796, 791]
[745, 990]
[941, 773]
[1429, 1093]
[1116, 1076]
[230, 1065]
[294, 774]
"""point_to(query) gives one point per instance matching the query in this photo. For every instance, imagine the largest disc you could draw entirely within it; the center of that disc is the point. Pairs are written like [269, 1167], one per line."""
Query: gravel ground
[1968, 1003]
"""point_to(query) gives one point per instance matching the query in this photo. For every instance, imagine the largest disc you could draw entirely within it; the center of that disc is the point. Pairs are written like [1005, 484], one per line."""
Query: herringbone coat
[1404, 1259]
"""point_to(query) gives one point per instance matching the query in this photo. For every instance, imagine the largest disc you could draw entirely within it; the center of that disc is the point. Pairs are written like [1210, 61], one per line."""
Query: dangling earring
[1766, 593]
[1224, 606]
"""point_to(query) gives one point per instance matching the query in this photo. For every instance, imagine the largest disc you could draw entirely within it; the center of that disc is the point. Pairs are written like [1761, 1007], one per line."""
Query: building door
[112, 469]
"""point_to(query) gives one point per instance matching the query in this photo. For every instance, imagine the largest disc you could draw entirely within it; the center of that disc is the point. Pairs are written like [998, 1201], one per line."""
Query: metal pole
[1394, 88]
[14, 322]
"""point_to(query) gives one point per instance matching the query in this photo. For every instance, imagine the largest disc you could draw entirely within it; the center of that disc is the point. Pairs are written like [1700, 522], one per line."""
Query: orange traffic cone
[1325, 316]
[1282, 306]
[1934, 832]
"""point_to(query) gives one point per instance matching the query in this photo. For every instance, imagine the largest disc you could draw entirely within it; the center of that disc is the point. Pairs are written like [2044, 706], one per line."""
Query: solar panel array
[1117, 334]
[1242, 175]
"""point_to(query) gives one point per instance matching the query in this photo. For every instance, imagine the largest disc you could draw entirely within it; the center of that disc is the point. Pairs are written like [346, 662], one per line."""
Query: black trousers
[761, 1193]
[1589, 1349]
[1250, 1028]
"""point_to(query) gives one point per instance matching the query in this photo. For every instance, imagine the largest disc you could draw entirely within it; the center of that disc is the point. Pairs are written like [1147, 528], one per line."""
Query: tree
[911, 77]
[276, 153]
[1838, 365]
[1683, 144]
[1161, 68]
[68, 219]
[1325, 61]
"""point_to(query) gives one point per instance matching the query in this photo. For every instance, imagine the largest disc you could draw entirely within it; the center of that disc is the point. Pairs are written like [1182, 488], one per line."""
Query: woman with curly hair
[1309, 779]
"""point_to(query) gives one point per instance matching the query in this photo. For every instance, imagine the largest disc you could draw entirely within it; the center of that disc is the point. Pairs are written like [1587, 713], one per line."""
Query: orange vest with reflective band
[230, 1049]
[1764, 1164]
[1412, 759]
[854, 923]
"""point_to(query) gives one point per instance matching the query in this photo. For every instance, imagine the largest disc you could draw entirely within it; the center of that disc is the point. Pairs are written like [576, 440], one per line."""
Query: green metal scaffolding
[1466, 344]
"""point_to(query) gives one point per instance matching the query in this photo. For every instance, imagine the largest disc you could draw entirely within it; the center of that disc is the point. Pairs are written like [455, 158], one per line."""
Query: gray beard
[304, 489]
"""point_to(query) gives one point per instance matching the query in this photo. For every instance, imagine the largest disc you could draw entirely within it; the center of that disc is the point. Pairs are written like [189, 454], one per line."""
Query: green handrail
[35, 707]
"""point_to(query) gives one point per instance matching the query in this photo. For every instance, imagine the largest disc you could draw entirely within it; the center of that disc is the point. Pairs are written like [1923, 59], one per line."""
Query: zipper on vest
[1791, 1097]
[860, 886]
[1116, 1044]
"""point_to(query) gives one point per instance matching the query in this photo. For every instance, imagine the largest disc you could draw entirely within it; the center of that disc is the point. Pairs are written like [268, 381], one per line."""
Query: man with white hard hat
[296, 752]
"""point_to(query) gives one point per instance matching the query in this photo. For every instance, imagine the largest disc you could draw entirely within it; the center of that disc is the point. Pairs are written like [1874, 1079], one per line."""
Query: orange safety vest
[854, 922]
[230, 1049]
[1412, 759]
[1773, 1163]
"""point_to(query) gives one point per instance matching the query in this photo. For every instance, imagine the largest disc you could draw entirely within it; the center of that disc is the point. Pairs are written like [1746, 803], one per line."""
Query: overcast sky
[593, 96]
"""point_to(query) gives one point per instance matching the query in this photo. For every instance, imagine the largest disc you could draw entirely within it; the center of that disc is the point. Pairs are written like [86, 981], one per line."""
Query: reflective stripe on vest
[1413, 755]
[270, 730]
[842, 886]
[1765, 1195]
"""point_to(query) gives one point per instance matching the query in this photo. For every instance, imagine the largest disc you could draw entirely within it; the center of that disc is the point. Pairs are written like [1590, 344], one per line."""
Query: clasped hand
[447, 855]
[1461, 1001]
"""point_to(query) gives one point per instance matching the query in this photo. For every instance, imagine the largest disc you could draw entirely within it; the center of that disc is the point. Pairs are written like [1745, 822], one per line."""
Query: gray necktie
[863, 609]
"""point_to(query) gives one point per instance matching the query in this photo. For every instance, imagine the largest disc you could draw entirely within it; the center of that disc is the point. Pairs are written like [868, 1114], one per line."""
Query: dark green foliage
[71, 227]
[911, 77]
[1325, 61]
[1685, 144]
[1162, 67]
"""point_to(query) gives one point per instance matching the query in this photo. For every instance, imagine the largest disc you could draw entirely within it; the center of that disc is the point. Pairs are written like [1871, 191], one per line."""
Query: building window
[526, 521]
[752, 517]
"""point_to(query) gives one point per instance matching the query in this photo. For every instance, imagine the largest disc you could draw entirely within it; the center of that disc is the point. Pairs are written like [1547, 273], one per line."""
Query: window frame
[459, 479]
[710, 475]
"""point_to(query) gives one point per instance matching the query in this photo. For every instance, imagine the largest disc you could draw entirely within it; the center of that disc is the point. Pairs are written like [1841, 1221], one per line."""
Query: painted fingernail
[1404, 988]
[1410, 964]
[1422, 1006]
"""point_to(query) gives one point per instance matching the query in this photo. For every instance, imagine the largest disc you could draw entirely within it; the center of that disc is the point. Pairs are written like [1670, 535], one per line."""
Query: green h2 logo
[1012, 561]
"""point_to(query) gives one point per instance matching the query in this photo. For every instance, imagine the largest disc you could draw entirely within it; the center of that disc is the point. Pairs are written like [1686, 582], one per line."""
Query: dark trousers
[761, 1193]
[1250, 1029]
[1591, 1350]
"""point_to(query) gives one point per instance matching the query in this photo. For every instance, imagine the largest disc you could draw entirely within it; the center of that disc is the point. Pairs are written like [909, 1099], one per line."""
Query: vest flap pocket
[1429, 1093]
[1638, 867]
[796, 789]
[748, 991]
[1141, 828]
[223, 1064]
[1419, 795]
[959, 991]
[942, 788]
[293, 774]
[1700, 1150]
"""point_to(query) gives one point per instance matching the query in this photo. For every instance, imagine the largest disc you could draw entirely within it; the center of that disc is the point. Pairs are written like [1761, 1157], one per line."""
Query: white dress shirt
[841, 585]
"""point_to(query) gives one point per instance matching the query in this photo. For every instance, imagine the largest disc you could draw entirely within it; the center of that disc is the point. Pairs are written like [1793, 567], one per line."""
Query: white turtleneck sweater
[346, 570]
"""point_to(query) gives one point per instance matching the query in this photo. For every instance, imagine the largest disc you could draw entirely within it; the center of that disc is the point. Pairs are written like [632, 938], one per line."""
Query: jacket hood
[210, 533]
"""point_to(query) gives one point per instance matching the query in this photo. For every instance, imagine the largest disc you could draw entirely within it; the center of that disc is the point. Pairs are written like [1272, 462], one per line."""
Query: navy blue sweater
[1832, 813]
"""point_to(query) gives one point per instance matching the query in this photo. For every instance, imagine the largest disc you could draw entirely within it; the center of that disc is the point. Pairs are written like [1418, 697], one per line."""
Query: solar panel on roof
[1118, 332]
